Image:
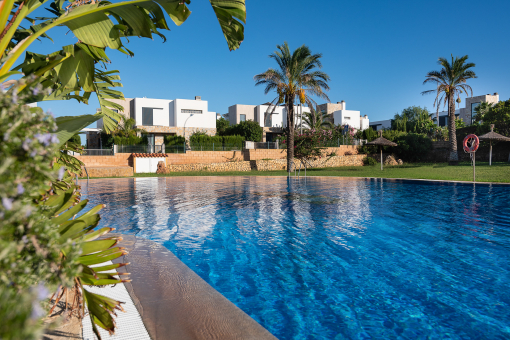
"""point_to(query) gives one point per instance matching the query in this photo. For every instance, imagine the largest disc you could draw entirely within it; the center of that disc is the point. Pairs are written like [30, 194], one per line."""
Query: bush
[221, 125]
[75, 139]
[200, 138]
[30, 254]
[369, 161]
[249, 129]
[369, 134]
[412, 147]
[174, 140]
[130, 140]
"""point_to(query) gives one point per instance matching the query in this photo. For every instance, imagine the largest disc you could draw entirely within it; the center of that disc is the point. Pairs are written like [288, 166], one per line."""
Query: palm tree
[450, 83]
[316, 119]
[126, 128]
[296, 78]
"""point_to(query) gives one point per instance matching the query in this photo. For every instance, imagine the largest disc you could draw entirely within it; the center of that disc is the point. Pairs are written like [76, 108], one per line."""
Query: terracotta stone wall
[108, 171]
[120, 159]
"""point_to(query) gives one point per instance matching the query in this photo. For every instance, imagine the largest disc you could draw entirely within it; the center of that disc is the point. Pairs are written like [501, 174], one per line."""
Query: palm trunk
[454, 156]
[290, 134]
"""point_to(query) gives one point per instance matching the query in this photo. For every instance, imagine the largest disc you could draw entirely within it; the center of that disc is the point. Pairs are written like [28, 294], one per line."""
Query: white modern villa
[274, 121]
[467, 113]
[161, 117]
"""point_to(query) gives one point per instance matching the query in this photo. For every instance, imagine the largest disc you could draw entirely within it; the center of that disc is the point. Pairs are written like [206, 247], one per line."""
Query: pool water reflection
[333, 257]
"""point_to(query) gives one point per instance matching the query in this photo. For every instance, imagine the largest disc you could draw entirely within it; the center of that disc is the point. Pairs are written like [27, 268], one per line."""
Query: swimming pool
[333, 258]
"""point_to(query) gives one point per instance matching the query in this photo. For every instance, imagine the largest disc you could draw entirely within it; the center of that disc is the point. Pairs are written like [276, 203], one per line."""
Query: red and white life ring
[471, 143]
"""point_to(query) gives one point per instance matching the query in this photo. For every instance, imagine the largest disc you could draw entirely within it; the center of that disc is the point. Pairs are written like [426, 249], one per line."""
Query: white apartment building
[272, 119]
[467, 113]
[273, 122]
[160, 117]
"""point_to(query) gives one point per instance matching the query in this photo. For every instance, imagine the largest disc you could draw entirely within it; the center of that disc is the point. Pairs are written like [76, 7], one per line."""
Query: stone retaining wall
[267, 165]
[212, 167]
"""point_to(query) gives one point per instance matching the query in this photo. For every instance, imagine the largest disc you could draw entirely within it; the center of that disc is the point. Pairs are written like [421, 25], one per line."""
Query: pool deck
[175, 303]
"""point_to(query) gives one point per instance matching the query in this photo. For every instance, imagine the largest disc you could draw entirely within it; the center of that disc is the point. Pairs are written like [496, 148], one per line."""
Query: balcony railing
[96, 152]
[139, 148]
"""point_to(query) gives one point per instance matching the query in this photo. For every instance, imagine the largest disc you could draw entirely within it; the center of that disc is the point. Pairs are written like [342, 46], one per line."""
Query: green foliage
[308, 146]
[459, 123]
[412, 119]
[450, 82]
[129, 140]
[124, 134]
[297, 78]
[497, 114]
[202, 139]
[75, 139]
[412, 147]
[30, 256]
[63, 207]
[174, 140]
[221, 125]
[316, 119]
[369, 161]
[74, 71]
[250, 130]
[369, 134]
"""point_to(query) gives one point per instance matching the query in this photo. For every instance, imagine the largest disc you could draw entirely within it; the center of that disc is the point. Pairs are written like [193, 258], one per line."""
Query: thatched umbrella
[381, 141]
[490, 136]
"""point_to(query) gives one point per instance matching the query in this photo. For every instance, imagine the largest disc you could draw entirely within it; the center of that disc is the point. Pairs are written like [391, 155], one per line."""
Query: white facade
[196, 111]
[161, 114]
[349, 117]
[266, 117]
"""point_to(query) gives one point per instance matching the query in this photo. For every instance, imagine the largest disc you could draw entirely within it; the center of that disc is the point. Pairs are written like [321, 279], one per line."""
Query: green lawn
[498, 172]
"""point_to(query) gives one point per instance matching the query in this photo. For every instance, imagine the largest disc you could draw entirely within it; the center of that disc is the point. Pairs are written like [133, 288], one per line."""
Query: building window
[347, 118]
[268, 121]
[148, 115]
[242, 118]
[473, 113]
[191, 111]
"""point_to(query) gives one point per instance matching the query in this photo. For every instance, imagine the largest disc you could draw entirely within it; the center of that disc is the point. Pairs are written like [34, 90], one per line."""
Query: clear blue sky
[376, 52]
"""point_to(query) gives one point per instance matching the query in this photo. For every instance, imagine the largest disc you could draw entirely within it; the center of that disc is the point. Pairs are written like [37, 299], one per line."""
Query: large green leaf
[68, 126]
[94, 28]
[226, 11]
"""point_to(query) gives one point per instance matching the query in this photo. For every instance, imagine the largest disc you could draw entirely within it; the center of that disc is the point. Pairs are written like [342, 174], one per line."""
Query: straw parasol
[381, 141]
[490, 136]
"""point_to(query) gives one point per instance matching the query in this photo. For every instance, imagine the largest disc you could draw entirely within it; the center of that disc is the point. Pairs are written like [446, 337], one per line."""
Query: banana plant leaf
[65, 206]
[68, 126]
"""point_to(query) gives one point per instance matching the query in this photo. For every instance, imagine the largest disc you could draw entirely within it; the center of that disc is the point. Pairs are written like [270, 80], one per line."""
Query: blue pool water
[333, 258]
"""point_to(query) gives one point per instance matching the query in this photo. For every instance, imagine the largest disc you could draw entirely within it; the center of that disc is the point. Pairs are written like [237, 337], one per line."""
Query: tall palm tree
[450, 82]
[296, 79]
[316, 119]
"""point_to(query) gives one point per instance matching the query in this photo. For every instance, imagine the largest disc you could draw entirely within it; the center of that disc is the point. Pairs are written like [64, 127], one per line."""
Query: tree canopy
[297, 79]
[450, 82]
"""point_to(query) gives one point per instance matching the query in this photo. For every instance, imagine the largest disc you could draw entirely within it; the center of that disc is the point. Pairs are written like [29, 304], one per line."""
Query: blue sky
[377, 53]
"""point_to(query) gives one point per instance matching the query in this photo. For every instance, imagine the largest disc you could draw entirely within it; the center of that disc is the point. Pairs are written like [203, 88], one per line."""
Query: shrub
[369, 161]
[249, 129]
[219, 141]
[412, 147]
[174, 140]
[75, 139]
[221, 125]
[30, 256]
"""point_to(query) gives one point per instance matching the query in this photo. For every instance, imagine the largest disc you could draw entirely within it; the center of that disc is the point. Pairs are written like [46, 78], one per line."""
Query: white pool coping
[129, 325]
